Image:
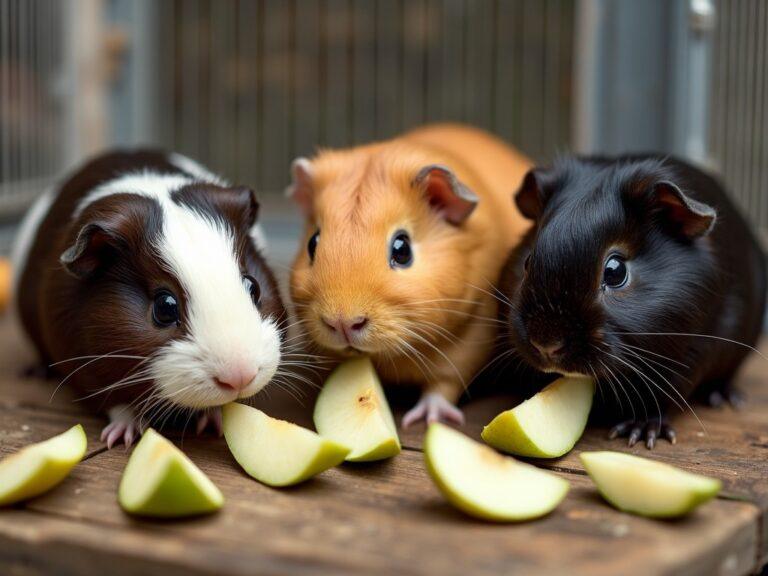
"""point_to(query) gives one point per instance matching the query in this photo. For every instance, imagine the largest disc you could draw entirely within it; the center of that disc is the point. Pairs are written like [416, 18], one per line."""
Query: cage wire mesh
[739, 126]
[31, 119]
[247, 85]
[250, 85]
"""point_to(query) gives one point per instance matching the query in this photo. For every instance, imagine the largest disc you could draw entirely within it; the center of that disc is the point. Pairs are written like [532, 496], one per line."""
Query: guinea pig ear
[92, 248]
[241, 203]
[530, 197]
[689, 217]
[446, 193]
[302, 186]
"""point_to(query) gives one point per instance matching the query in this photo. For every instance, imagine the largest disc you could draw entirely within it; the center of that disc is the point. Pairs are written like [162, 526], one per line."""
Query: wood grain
[377, 518]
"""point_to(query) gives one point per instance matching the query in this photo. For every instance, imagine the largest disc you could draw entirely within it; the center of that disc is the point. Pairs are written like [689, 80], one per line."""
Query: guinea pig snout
[235, 379]
[349, 329]
[550, 351]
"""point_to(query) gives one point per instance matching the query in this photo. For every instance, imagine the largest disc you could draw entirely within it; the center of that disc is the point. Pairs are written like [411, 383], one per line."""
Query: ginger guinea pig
[641, 272]
[404, 241]
[141, 283]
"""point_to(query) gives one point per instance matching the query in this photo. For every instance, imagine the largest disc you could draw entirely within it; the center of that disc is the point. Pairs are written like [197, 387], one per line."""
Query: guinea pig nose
[235, 380]
[346, 326]
[550, 350]
[357, 323]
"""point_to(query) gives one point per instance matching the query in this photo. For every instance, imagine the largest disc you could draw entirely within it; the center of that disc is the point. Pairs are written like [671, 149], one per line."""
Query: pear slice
[276, 452]
[483, 483]
[160, 480]
[39, 467]
[546, 425]
[353, 410]
[645, 487]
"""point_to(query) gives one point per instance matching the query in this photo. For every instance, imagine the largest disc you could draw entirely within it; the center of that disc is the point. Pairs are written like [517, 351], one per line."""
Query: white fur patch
[197, 171]
[225, 329]
[27, 233]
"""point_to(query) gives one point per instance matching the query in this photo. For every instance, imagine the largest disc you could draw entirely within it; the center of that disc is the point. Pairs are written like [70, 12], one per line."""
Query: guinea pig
[639, 272]
[141, 281]
[403, 242]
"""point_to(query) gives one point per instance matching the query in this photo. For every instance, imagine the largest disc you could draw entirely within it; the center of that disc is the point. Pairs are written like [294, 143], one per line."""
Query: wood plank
[385, 517]
[389, 518]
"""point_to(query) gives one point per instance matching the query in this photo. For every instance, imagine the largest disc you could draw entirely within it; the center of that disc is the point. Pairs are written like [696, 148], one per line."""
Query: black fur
[689, 274]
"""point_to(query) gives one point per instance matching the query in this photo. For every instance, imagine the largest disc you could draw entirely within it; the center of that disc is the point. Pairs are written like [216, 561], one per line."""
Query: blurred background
[246, 85]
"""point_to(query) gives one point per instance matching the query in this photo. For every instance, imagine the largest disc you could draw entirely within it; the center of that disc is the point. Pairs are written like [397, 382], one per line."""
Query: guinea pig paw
[123, 427]
[210, 418]
[120, 431]
[433, 407]
[649, 430]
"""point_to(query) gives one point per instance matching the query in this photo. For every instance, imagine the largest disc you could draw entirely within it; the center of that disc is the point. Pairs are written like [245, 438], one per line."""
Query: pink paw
[210, 418]
[433, 407]
[122, 427]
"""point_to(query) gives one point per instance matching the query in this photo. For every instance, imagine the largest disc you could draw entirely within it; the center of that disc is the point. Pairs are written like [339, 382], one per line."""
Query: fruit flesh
[646, 487]
[353, 410]
[485, 484]
[276, 452]
[546, 425]
[160, 480]
[39, 467]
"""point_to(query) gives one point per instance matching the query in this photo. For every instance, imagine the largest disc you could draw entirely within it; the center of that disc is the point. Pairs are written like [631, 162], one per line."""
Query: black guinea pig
[639, 272]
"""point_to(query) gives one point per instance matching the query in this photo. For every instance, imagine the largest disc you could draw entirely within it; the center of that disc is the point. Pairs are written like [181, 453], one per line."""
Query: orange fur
[430, 324]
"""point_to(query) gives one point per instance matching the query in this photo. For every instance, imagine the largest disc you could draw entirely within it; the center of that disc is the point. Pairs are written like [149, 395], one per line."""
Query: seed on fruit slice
[353, 410]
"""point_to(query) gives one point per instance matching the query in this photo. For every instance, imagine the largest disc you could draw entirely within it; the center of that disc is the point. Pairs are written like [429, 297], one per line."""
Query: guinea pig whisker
[615, 392]
[487, 320]
[685, 334]
[638, 348]
[416, 357]
[97, 356]
[675, 390]
[629, 382]
[502, 300]
[421, 338]
[438, 330]
[295, 376]
[621, 387]
[501, 297]
[649, 382]
[506, 354]
[290, 391]
[88, 363]
[636, 353]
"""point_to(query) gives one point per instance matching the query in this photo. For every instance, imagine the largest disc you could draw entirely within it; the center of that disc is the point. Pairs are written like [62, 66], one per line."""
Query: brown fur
[68, 317]
[361, 196]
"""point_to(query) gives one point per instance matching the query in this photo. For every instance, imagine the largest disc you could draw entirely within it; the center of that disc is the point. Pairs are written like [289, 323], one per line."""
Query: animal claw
[121, 428]
[650, 430]
[433, 407]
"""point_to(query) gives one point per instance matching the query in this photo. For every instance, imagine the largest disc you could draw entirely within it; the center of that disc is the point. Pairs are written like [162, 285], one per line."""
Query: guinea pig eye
[312, 245]
[400, 253]
[253, 288]
[615, 272]
[165, 310]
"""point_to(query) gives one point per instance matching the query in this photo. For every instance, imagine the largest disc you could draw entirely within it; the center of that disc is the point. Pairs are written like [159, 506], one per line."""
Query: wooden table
[382, 517]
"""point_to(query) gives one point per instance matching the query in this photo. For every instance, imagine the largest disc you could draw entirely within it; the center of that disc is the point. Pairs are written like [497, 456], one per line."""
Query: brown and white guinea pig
[141, 281]
[640, 272]
[404, 240]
